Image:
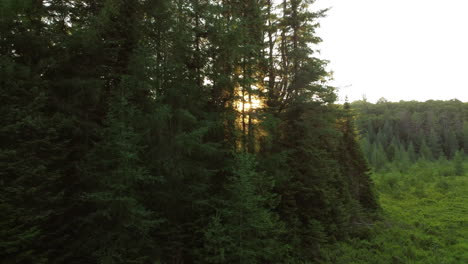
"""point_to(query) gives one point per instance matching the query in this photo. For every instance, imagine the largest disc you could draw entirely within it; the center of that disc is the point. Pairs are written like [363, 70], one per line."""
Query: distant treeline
[404, 132]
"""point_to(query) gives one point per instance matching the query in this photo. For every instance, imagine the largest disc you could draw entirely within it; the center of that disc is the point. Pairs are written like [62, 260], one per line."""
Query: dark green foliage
[426, 130]
[31, 178]
[120, 226]
[174, 132]
[434, 144]
[378, 157]
[465, 136]
[459, 170]
[412, 152]
[451, 143]
[330, 207]
[354, 165]
[244, 229]
[425, 152]
[424, 220]
[33, 150]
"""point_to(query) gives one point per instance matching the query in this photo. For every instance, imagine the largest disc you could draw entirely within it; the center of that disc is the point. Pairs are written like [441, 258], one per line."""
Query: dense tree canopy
[198, 131]
[404, 132]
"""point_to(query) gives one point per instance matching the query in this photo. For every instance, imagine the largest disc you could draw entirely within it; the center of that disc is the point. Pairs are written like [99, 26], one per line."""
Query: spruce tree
[459, 169]
[465, 137]
[33, 147]
[245, 230]
[425, 152]
[120, 129]
[433, 143]
[403, 161]
[120, 225]
[379, 157]
[392, 150]
[355, 166]
[412, 153]
[366, 147]
[187, 121]
[451, 143]
[298, 93]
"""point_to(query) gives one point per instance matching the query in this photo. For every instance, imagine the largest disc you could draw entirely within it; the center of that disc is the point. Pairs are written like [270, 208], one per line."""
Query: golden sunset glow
[247, 106]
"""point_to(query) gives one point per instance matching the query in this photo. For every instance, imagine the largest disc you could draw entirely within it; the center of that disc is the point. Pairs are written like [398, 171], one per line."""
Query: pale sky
[397, 49]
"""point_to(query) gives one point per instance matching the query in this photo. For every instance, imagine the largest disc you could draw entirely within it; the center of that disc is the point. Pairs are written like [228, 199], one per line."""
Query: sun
[247, 105]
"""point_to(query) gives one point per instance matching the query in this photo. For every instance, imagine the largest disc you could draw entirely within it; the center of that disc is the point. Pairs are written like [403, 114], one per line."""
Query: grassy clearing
[424, 220]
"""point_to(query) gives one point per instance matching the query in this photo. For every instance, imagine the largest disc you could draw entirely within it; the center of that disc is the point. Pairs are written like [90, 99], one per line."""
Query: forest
[206, 131]
[163, 131]
[404, 132]
[418, 155]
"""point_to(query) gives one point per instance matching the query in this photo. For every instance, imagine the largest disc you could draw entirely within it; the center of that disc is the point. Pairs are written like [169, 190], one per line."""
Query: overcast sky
[397, 49]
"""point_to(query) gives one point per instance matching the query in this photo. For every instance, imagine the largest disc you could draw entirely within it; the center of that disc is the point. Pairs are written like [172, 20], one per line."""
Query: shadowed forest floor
[425, 220]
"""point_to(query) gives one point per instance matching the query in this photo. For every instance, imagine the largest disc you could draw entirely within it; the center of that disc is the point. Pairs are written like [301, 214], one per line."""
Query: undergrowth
[424, 219]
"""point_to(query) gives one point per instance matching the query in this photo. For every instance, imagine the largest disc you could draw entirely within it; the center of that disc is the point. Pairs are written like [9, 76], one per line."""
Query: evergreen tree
[379, 157]
[451, 143]
[403, 160]
[125, 123]
[32, 154]
[121, 224]
[354, 165]
[187, 143]
[392, 150]
[295, 94]
[366, 147]
[245, 230]
[412, 153]
[33, 149]
[425, 152]
[434, 122]
[434, 144]
[458, 163]
[387, 137]
[370, 133]
[465, 137]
